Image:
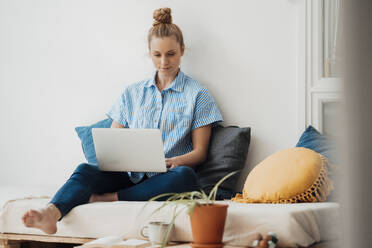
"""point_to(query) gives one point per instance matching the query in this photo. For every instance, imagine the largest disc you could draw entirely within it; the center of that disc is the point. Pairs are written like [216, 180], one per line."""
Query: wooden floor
[41, 241]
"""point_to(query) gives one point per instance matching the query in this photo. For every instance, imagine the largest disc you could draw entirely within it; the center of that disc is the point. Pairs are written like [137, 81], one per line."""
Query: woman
[173, 102]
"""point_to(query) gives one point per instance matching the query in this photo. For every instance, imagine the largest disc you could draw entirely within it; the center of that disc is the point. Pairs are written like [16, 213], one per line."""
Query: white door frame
[314, 90]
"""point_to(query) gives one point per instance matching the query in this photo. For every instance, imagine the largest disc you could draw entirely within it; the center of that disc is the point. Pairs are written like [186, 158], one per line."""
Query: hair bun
[162, 16]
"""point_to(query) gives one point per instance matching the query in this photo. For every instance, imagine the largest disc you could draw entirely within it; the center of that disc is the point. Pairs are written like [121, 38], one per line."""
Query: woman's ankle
[54, 211]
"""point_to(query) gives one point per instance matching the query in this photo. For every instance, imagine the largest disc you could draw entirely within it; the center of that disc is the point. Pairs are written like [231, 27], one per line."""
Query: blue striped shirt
[177, 110]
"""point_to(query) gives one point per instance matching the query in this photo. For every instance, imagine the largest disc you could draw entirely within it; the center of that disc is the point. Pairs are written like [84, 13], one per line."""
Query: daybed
[295, 224]
[302, 224]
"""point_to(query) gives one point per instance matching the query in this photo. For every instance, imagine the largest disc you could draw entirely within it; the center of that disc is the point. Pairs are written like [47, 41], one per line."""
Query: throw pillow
[288, 176]
[314, 140]
[228, 148]
[85, 135]
[324, 145]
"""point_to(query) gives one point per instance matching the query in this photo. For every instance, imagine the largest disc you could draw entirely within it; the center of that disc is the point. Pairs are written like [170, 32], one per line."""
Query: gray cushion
[228, 150]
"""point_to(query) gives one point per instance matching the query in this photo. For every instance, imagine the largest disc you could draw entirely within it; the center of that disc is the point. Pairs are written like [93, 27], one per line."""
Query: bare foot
[107, 197]
[44, 219]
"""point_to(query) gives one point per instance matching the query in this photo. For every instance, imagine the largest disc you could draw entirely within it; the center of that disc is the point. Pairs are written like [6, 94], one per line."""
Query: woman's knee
[85, 174]
[185, 173]
[86, 169]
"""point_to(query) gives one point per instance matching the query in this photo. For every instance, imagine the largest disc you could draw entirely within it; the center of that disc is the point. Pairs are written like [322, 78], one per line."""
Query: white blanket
[295, 224]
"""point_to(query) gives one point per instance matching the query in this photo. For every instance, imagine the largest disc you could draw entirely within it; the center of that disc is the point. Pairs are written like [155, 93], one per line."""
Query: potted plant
[207, 218]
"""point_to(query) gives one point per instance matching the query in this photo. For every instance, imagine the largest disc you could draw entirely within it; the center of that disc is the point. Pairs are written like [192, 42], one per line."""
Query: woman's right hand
[171, 163]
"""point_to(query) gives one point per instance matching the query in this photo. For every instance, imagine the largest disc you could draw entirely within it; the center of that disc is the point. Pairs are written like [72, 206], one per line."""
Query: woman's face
[166, 55]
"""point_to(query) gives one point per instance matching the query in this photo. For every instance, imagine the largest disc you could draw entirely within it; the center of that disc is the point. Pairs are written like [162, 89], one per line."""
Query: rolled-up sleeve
[206, 110]
[119, 111]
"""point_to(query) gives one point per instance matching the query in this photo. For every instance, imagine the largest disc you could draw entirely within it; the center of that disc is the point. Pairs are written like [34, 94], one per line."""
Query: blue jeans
[88, 179]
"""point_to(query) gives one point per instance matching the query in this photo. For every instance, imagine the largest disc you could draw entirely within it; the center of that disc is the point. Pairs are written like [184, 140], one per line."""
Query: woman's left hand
[171, 162]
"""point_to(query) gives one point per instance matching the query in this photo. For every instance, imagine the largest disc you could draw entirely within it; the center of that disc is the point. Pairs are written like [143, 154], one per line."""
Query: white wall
[63, 63]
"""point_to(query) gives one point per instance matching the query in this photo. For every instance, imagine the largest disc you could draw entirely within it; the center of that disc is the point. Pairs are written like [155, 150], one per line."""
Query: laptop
[126, 149]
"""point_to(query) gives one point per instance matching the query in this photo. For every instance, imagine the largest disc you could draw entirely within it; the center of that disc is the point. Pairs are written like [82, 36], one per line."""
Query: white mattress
[295, 224]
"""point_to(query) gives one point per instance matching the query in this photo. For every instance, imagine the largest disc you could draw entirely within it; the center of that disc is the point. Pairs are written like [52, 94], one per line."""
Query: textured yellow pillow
[288, 176]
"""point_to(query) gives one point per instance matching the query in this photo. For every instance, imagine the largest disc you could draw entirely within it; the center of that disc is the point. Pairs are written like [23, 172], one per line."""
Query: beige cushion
[288, 176]
[305, 223]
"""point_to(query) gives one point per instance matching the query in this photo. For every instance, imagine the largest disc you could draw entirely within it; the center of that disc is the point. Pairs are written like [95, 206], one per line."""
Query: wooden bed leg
[9, 244]
[3, 243]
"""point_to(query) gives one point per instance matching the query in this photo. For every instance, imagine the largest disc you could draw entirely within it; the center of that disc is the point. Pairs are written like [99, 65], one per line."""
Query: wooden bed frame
[9, 240]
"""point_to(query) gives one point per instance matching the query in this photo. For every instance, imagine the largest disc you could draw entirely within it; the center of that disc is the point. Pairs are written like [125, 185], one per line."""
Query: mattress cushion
[295, 224]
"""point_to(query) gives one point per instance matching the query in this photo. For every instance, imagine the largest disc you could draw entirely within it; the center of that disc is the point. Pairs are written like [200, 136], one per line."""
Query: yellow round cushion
[288, 176]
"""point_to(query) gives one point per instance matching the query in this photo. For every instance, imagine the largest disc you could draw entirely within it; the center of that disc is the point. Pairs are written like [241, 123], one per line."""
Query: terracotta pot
[208, 223]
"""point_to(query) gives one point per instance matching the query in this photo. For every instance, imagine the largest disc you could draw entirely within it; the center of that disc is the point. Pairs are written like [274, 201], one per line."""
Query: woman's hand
[171, 162]
[200, 141]
[115, 124]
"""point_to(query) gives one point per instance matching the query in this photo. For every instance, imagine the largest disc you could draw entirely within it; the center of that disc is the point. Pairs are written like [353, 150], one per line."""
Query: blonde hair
[163, 26]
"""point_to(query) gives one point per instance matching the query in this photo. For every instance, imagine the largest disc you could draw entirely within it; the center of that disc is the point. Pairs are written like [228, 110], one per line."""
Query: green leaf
[162, 195]
[192, 207]
[213, 193]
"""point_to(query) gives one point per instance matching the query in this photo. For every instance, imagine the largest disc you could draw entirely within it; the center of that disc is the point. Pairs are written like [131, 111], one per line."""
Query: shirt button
[156, 121]
[158, 108]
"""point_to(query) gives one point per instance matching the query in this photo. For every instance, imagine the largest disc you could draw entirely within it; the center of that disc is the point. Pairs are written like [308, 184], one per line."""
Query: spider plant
[187, 200]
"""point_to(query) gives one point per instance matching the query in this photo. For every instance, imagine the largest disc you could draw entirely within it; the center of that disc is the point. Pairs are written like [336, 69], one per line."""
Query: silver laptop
[125, 149]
